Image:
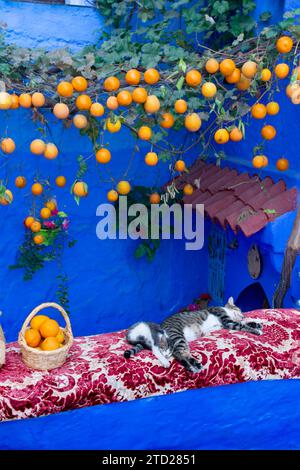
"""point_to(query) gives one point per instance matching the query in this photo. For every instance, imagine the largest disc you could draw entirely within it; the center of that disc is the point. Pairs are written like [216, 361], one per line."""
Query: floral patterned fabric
[96, 371]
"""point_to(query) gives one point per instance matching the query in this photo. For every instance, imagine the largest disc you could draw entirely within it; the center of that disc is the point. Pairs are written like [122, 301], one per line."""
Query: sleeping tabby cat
[172, 337]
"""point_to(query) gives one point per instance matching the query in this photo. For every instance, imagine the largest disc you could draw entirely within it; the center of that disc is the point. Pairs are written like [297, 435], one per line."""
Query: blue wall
[109, 289]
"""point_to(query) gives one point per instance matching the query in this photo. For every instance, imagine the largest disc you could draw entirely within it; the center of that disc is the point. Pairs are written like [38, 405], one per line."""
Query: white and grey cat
[171, 338]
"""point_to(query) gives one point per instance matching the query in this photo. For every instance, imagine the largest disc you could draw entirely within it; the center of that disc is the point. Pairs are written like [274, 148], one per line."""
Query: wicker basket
[2, 347]
[45, 360]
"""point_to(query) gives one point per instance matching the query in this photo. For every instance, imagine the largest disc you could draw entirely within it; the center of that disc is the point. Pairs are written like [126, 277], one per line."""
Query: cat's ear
[230, 301]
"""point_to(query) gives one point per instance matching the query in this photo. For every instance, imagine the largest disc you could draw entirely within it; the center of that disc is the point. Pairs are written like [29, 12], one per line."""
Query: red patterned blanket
[96, 371]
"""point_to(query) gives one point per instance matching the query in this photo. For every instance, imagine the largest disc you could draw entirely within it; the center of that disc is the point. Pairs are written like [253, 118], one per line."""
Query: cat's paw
[165, 363]
[254, 324]
[195, 366]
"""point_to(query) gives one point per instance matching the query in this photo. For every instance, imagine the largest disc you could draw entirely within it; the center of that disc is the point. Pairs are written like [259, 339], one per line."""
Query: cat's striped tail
[131, 352]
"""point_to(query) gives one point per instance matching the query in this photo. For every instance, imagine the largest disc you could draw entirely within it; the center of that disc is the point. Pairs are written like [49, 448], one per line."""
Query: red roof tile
[241, 201]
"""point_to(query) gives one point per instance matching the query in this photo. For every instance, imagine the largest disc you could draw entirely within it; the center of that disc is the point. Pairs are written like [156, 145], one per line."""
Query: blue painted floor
[256, 415]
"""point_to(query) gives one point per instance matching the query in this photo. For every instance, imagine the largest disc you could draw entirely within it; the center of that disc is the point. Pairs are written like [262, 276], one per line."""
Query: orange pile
[44, 334]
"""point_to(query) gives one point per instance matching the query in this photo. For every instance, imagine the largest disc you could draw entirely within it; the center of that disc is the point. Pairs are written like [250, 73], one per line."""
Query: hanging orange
[111, 84]
[80, 189]
[266, 75]
[83, 102]
[80, 121]
[112, 103]
[167, 121]
[282, 164]
[249, 69]
[112, 195]
[193, 78]
[212, 65]
[37, 147]
[221, 136]
[273, 108]
[180, 106]
[192, 122]
[38, 100]
[28, 221]
[151, 76]
[38, 239]
[139, 95]
[7, 198]
[51, 151]
[188, 190]
[243, 84]
[25, 100]
[282, 70]
[60, 181]
[259, 111]
[5, 100]
[234, 77]
[51, 205]
[133, 77]
[284, 44]
[37, 189]
[103, 155]
[79, 84]
[227, 66]
[236, 134]
[145, 133]
[35, 226]
[124, 98]
[65, 89]
[151, 159]
[45, 213]
[20, 181]
[180, 166]
[154, 198]
[260, 161]
[209, 90]
[97, 110]
[123, 187]
[268, 132]
[113, 127]
[61, 111]
[152, 104]
[14, 101]
[8, 145]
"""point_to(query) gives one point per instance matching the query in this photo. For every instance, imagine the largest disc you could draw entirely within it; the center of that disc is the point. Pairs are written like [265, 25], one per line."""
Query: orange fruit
[5, 100]
[212, 65]
[37, 189]
[152, 104]
[249, 69]
[111, 84]
[151, 76]
[7, 198]
[266, 75]
[221, 136]
[35, 226]
[192, 122]
[80, 189]
[14, 101]
[268, 132]
[8, 145]
[188, 190]
[51, 205]
[60, 336]
[167, 121]
[60, 181]
[227, 66]
[124, 98]
[151, 159]
[259, 111]
[145, 133]
[103, 155]
[234, 77]
[45, 213]
[50, 344]
[25, 100]
[123, 187]
[97, 109]
[61, 111]
[282, 70]
[235, 134]
[282, 164]
[48, 328]
[38, 100]
[37, 147]
[193, 78]
[180, 106]
[259, 161]
[51, 151]
[38, 239]
[208, 90]
[112, 195]
[32, 337]
[80, 121]
[290, 89]
[113, 127]
[272, 108]
[65, 89]
[154, 198]
[139, 95]
[37, 321]
[112, 102]
[284, 44]
[243, 84]
[28, 221]
[79, 83]
[20, 181]
[295, 71]
[83, 102]
[180, 165]
[133, 77]
[295, 95]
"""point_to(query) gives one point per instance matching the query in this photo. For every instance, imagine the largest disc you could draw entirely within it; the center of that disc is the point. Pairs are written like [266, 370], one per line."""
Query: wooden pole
[290, 256]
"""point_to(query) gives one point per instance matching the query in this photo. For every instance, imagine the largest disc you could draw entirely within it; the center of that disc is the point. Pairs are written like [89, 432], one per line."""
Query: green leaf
[180, 83]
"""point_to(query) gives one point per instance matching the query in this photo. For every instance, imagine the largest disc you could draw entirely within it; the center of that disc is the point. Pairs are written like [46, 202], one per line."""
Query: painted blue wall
[109, 289]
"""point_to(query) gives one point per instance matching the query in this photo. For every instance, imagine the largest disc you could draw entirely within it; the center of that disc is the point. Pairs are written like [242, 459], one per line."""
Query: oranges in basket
[44, 333]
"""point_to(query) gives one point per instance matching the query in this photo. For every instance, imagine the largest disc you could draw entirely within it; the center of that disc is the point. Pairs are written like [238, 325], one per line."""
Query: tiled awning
[244, 202]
